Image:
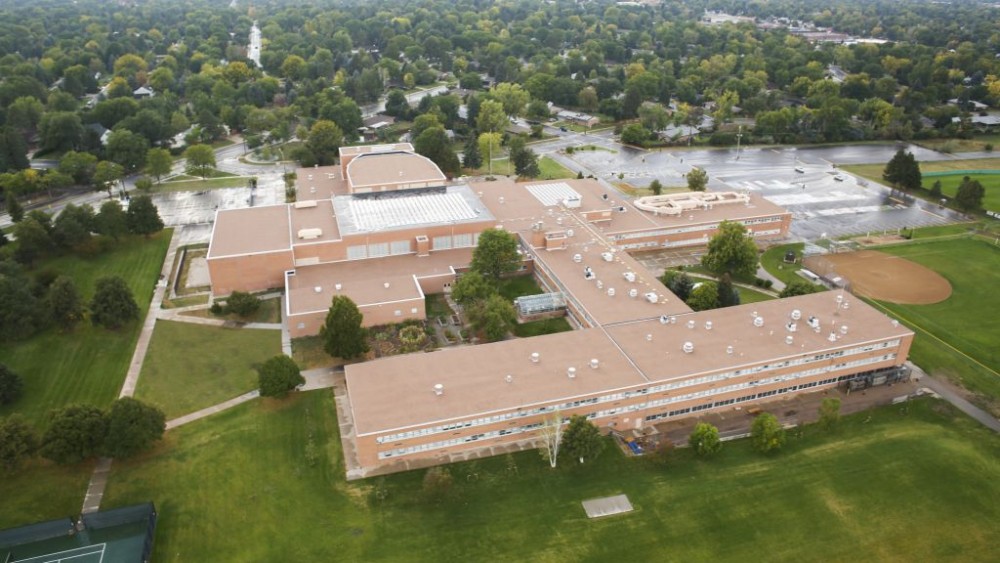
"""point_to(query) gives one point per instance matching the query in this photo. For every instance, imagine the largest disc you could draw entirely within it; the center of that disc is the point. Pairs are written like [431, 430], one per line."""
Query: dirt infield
[884, 277]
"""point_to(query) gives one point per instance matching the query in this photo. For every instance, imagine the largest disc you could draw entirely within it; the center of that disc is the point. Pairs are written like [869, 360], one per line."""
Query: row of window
[653, 389]
[398, 247]
[690, 229]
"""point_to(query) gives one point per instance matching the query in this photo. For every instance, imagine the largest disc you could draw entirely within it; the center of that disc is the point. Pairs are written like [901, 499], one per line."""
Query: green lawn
[42, 491]
[269, 312]
[545, 326]
[264, 482]
[751, 296]
[189, 367]
[773, 260]
[551, 170]
[89, 364]
[950, 183]
[517, 286]
[965, 320]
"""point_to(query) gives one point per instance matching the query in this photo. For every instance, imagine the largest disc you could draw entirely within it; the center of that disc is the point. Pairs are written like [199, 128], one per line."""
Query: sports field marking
[90, 554]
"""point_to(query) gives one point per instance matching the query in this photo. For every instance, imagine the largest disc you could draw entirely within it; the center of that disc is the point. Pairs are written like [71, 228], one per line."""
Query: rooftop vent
[386, 285]
[571, 373]
[600, 284]
[789, 339]
[318, 289]
[796, 314]
[630, 277]
[588, 274]
[843, 329]
[895, 323]
[690, 324]
[633, 293]
[758, 321]
[569, 232]
[439, 389]
[729, 349]
[594, 364]
[708, 325]
[649, 338]
[832, 337]
[688, 347]
[611, 292]
[337, 286]
[509, 378]
[652, 297]
[664, 319]
[608, 257]
[792, 327]
[534, 357]
[578, 258]
[500, 199]
[309, 234]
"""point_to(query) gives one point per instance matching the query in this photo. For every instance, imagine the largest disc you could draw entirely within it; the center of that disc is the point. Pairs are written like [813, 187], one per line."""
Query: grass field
[42, 491]
[552, 170]
[976, 144]
[264, 482]
[950, 183]
[751, 296]
[89, 364]
[189, 367]
[544, 326]
[965, 320]
[513, 287]
[773, 260]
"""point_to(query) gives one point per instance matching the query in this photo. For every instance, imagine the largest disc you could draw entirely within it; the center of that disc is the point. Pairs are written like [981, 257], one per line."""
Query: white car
[840, 177]
[800, 169]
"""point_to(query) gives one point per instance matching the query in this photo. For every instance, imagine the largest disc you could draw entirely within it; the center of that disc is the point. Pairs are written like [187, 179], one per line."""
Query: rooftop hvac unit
[318, 289]
[688, 347]
[309, 234]
[305, 204]
[578, 258]
[611, 292]
[588, 274]
[572, 202]
[630, 277]
[664, 319]
[653, 297]
[792, 327]
[608, 257]
[633, 293]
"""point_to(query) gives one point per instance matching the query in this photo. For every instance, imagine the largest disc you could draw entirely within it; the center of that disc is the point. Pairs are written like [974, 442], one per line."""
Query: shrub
[278, 376]
[242, 304]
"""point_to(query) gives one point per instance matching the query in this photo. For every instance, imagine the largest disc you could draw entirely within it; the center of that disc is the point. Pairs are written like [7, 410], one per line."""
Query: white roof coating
[552, 194]
[395, 210]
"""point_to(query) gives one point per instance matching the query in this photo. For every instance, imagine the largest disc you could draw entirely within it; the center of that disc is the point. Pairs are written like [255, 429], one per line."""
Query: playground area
[884, 277]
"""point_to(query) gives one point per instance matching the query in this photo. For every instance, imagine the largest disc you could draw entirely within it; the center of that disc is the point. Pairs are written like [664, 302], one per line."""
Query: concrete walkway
[952, 396]
[95, 490]
[765, 275]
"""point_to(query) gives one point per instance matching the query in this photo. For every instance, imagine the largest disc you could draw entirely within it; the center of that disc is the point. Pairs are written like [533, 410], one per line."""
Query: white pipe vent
[386, 285]
[633, 293]
[729, 350]
[789, 339]
[578, 258]
[509, 378]
[690, 324]
[535, 357]
[758, 322]
[439, 389]
[649, 338]
[337, 286]
[611, 292]
[318, 289]
[571, 373]
[708, 325]
[843, 329]
[688, 347]
[832, 337]
[594, 364]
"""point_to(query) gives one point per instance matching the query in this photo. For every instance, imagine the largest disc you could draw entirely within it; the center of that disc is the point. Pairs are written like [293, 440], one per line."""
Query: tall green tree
[13, 150]
[111, 220]
[127, 149]
[728, 295]
[133, 426]
[582, 440]
[496, 254]
[159, 162]
[902, 171]
[79, 165]
[731, 251]
[75, 433]
[471, 157]
[14, 208]
[112, 305]
[143, 218]
[766, 433]
[200, 159]
[494, 316]
[435, 145]
[704, 439]
[491, 118]
[799, 287]
[11, 385]
[65, 303]
[704, 297]
[697, 180]
[278, 375]
[34, 240]
[970, 194]
[17, 442]
[471, 287]
[107, 174]
[342, 333]
[325, 138]
[21, 314]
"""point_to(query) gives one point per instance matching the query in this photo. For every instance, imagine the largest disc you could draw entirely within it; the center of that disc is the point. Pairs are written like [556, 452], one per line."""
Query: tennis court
[87, 554]
[120, 535]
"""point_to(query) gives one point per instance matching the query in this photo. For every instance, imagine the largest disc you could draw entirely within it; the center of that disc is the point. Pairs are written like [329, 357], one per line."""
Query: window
[398, 247]
[357, 252]
[398, 313]
[378, 249]
[413, 311]
[462, 241]
[441, 243]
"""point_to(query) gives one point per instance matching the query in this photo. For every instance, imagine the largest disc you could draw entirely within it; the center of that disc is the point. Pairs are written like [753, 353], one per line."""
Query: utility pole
[739, 136]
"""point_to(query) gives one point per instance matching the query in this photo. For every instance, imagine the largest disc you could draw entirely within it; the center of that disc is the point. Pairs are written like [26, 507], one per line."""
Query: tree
[278, 375]
[799, 287]
[494, 316]
[491, 117]
[678, 283]
[471, 287]
[14, 208]
[79, 165]
[112, 305]
[144, 183]
[970, 194]
[17, 442]
[142, 217]
[496, 254]
[106, 173]
[33, 240]
[21, 315]
[731, 251]
[551, 433]
[829, 412]
[133, 426]
[435, 145]
[512, 97]
[728, 295]
[65, 303]
[325, 138]
[635, 134]
[902, 171]
[471, 157]
[704, 439]
[342, 334]
[525, 163]
[766, 433]
[936, 189]
[127, 149]
[200, 159]
[582, 439]
[11, 385]
[396, 104]
[159, 162]
[489, 146]
[242, 303]
[293, 68]
[61, 130]
[13, 150]
[653, 116]
[76, 433]
[704, 297]
[111, 220]
[656, 187]
[697, 180]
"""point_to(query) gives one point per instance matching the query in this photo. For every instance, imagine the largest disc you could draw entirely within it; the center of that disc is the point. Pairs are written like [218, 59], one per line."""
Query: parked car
[800, 170]
[840, 177]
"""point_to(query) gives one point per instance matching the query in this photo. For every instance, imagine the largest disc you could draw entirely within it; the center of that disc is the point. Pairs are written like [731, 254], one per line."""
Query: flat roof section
[254, 230]
[367, 149]
[319, 182]
[364, 280]
[661, 357]
[313, 221]
[398, 391]
[397, 210]
[389, 168]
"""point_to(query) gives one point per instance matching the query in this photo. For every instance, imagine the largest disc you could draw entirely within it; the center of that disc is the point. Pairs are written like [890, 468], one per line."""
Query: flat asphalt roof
[316, 214]
[253, 230]
[383, 169]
